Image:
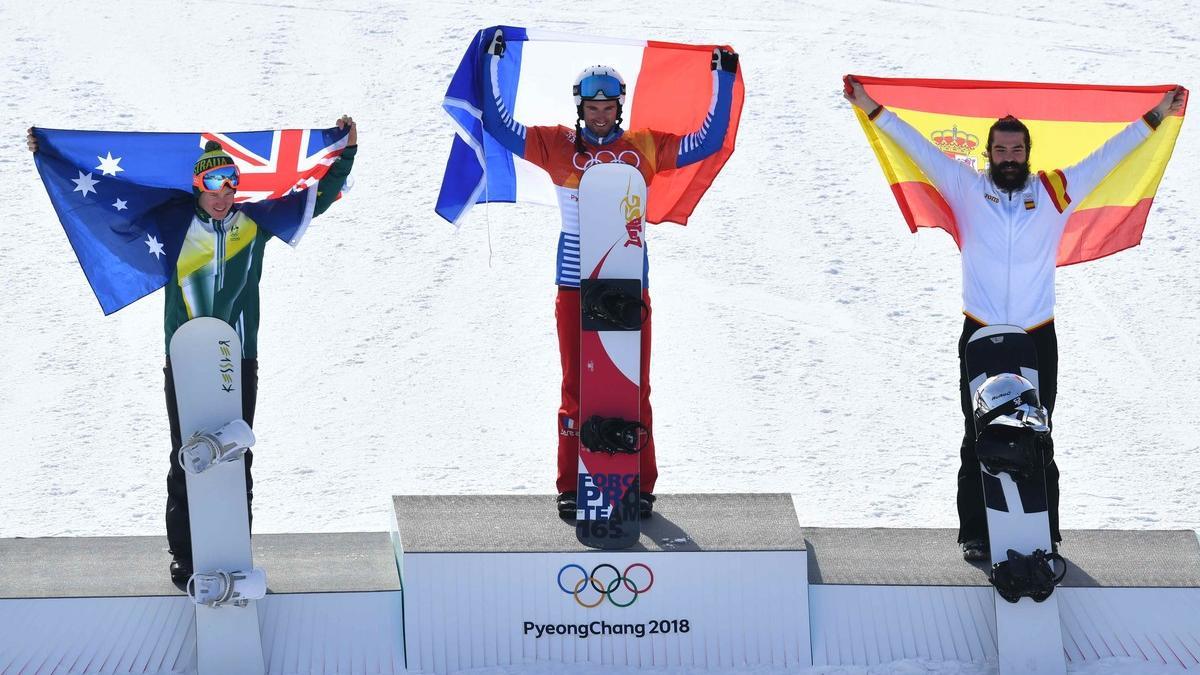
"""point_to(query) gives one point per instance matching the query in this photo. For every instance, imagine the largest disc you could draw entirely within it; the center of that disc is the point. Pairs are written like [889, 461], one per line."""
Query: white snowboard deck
[206, 358]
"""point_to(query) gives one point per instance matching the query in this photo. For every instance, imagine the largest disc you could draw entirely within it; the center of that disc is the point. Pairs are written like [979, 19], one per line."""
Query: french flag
[668, 88]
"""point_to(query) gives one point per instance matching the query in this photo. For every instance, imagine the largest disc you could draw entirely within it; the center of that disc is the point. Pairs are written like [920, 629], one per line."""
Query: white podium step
[107, 605]
[716, 581]
[880, 595]
[724, 582]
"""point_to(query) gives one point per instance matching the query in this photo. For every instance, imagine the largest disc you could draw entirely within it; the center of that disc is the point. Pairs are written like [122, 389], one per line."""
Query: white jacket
[1010, 241]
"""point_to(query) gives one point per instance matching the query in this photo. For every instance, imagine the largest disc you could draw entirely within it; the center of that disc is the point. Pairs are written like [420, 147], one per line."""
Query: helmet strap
[579, 133]
[579, 147]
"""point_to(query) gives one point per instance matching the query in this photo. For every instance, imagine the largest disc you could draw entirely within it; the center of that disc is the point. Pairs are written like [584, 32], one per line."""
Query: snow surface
[804, 340]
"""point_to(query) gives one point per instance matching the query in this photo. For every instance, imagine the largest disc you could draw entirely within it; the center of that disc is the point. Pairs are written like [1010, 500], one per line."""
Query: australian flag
[125, 198]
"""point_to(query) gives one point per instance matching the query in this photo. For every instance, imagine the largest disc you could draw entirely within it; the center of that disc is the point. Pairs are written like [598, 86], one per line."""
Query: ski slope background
[804, 341]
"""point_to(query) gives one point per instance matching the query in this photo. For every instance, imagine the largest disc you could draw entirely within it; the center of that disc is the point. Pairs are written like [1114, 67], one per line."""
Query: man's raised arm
[497, 118]
[1084, 176]
[944, 172]
[709, 138]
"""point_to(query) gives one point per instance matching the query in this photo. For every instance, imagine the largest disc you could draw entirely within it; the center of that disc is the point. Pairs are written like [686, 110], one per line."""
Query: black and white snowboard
[206, 361]
[1012, 468]
[612, 199]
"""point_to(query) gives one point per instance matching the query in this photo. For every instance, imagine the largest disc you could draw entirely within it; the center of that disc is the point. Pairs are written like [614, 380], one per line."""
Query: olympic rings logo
[586, 160]
[621, 589]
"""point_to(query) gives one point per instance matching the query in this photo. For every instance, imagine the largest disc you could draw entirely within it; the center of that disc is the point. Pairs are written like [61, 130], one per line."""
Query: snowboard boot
[645, 505]
[567, 505]
[975, 550]
[181, 571]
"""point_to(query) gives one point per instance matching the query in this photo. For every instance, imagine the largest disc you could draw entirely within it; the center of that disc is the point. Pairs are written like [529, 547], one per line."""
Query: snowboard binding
[1027, 576]
[612, 304]
[204, 449]
[1015, 451]
[214, 589]
[613, 435]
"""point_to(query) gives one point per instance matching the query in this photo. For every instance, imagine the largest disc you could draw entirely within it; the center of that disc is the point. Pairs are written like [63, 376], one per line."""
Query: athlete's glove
[726, 60]
[496, 47]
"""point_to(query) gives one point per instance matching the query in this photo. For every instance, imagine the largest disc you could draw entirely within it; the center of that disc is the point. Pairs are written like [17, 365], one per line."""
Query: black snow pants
[972, 517]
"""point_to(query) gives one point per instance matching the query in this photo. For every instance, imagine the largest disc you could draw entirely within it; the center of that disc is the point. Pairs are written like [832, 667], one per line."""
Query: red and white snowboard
[612, 203]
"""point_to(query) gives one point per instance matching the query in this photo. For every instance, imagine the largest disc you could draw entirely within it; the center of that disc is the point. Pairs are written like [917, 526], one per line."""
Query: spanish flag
[1066, 122]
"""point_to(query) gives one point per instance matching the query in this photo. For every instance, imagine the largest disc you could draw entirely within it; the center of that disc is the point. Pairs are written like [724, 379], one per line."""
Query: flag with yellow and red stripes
[1066, 122]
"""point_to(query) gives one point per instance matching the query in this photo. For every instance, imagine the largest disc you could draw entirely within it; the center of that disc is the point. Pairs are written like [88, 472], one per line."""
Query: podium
[879, 595]
[715, 581]
[722, 582]
[106, 605]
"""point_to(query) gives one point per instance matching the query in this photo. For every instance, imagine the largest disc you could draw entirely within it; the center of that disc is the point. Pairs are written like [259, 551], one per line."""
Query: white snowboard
[206, 359]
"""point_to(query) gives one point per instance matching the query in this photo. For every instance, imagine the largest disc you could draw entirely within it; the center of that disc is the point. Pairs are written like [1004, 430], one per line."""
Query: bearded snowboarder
[1010, 223]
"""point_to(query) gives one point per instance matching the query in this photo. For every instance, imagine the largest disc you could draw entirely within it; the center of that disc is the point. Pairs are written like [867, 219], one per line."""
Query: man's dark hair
[1009, 123]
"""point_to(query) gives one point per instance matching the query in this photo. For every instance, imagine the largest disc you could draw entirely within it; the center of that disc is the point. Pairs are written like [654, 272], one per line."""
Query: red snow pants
[566, 312]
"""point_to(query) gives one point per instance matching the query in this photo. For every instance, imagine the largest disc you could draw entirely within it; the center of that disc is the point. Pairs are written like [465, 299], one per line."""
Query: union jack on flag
[125, 198]
[274, 164]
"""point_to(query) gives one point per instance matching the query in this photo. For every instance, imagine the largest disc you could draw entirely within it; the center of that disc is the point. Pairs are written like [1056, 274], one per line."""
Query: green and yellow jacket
[220, 262]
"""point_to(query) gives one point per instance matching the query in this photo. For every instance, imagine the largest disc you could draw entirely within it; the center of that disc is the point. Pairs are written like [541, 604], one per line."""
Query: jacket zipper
[1008, 267]
[219, 253]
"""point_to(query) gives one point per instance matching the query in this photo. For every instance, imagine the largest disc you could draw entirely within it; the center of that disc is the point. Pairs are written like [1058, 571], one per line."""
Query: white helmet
[1010, 400]
[599, 83]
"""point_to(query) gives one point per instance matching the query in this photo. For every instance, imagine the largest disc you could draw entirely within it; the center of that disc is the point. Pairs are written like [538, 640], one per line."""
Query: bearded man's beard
[1009, 176]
